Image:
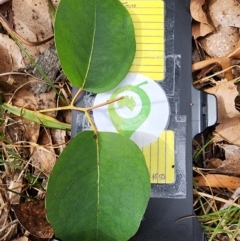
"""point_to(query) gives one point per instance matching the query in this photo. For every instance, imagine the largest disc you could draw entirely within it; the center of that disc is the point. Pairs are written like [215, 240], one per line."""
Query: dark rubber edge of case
[174, 219]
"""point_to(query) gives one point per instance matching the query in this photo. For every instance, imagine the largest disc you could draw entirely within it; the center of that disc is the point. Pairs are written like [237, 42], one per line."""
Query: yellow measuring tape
[148, 20]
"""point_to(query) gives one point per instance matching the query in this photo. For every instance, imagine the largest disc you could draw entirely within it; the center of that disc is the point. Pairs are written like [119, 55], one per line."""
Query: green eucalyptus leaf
[99, 189]
[95, 42]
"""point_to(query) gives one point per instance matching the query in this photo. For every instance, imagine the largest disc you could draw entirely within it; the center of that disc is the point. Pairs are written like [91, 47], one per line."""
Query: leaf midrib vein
[93, 40]
[98, 184]
[97, 143]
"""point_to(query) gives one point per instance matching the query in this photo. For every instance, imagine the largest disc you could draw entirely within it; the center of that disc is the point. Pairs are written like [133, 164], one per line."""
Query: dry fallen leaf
[24, 238]
[229, 131]
[213, 163]
[59, 139]
[231, 151]
[13, 50]
[20, 131]
[231, 165]
[226, 93]
[221, 42]
[16, 132]
[224, 15]
[44, 157]
[228, 117]
[32, 216]
[10, 60]
[215, 180]
[32, 21]
[26, 98]
[225, 62]
[15, 185]
[3, 1]
[6, 63]
[200, 26]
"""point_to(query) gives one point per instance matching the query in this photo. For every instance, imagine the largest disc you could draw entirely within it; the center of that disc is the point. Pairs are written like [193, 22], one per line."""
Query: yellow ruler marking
[149, 54]
[148, 69]
[149, 62]
[142, 4]
[151, 40]
[147, 26]
[148, 32]
[154, 158]
[149, 47]
[170, 157]
[148, 20]
[153, 74]
[161, 171]
[149, 11]
[147, 155]
[160, 158]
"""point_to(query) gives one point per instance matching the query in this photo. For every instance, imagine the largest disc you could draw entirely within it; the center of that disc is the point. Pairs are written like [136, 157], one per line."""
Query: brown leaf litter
[32, 216]
[32, 21]
[221, 46]
[216, 71]
[201, 25]
[29, 150]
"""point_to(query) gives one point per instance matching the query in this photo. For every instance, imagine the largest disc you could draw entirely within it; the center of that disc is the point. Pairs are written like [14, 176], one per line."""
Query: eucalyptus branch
[83, 109]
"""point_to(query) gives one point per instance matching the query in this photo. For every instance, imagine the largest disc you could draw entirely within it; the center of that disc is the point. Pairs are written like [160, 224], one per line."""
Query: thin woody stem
[103, 104]
[76, 96]
[91, 122]
[84, 109]
[68, 107]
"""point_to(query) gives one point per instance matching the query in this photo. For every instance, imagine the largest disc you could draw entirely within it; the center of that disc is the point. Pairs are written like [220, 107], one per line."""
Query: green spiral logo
[127, 126]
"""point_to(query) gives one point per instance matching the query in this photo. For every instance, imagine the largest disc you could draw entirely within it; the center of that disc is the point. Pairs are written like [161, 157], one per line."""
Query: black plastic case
[173, 219]
[169, 215]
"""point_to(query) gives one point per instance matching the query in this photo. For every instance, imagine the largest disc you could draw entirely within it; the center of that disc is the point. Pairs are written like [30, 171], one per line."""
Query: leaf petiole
[105, 103]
